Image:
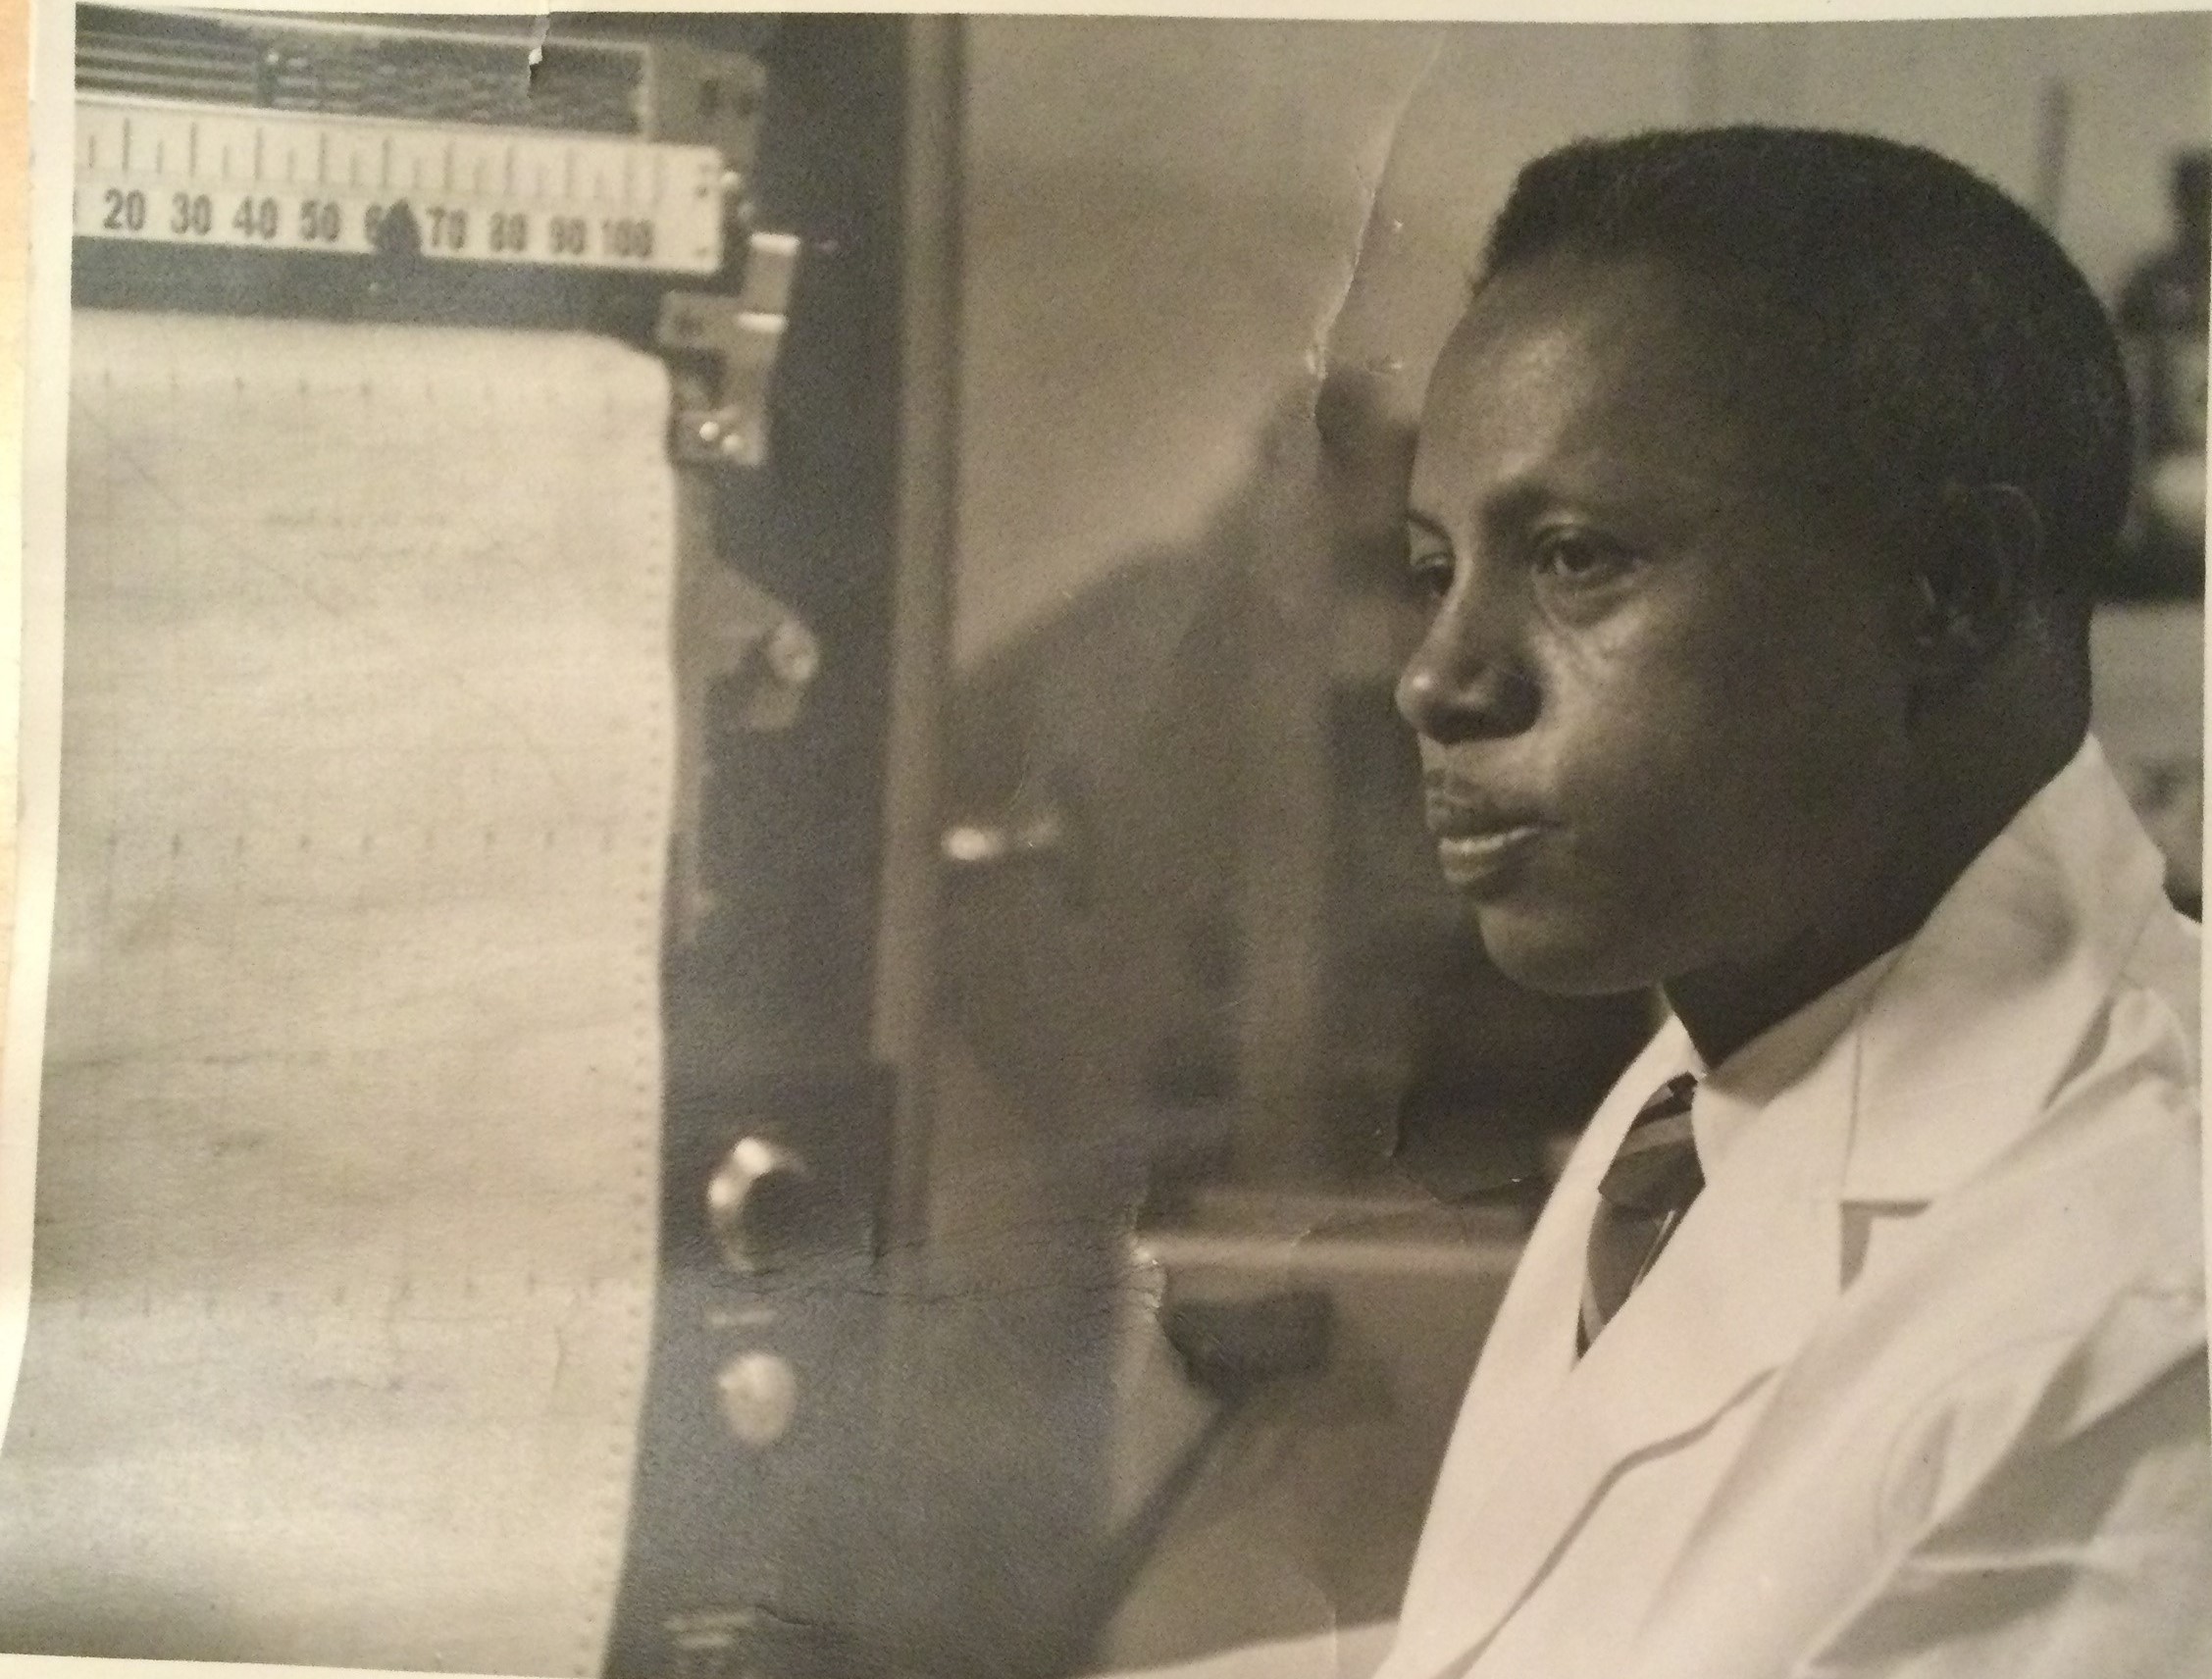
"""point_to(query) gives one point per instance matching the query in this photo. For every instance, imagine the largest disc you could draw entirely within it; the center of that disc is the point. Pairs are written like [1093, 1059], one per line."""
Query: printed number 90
[628, 238]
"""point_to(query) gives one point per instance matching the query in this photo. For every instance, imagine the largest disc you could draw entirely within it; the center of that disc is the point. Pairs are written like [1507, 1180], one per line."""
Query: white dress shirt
[1918, 1389]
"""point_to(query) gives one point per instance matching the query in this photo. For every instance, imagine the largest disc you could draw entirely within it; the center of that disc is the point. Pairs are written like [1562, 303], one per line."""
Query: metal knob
[758, 1393]
[757, 1204]
[1043, 826]
[1034, 837]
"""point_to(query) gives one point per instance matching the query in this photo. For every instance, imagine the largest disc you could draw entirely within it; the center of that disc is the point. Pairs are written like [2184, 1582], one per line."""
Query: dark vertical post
[757, 1497]
[927, 534]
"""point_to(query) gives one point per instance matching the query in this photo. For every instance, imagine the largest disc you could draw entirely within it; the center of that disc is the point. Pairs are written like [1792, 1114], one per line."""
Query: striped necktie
[1641, 1199]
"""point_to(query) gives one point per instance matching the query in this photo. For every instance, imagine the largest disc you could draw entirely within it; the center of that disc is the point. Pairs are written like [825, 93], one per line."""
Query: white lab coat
[1919, 1387]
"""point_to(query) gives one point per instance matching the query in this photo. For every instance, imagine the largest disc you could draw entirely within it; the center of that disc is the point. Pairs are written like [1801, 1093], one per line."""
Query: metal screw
[792, 653]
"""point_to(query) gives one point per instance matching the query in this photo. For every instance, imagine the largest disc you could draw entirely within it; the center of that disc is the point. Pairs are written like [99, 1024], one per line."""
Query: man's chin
[1557, 955]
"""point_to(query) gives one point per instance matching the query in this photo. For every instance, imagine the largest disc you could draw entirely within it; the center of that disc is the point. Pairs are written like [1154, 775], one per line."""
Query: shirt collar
[1732, 1096]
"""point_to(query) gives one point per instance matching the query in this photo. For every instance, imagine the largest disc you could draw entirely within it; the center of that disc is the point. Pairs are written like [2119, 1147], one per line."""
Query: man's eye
[1581, 557]
[1431, 573]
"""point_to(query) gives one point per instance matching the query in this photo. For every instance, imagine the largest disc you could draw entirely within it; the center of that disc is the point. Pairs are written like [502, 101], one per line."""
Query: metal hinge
[721, 409]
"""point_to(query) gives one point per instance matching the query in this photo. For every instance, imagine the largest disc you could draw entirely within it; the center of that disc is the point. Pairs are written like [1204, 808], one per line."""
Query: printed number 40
[257, 219]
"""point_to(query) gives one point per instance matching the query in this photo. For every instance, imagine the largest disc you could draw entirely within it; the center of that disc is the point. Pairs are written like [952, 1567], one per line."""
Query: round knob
[759, 1395]
[1037, 835]
[757, 1204]
[1045, 826]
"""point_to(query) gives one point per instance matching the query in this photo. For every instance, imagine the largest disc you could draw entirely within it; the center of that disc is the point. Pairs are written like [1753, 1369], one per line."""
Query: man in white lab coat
[1760, 494]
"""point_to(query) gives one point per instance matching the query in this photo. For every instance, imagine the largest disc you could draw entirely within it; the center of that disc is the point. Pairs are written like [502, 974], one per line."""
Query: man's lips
[1474, 860]
[1477, 844]
[1453, 816]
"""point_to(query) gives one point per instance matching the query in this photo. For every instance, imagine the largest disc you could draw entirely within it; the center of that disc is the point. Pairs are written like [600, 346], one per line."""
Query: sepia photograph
[866, 846]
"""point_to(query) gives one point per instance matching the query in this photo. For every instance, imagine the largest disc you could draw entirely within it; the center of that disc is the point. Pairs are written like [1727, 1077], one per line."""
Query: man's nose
[1468, 680]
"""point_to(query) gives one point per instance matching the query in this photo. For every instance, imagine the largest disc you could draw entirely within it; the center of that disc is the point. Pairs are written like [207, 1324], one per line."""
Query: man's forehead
[1611, 314]
[1563, 355]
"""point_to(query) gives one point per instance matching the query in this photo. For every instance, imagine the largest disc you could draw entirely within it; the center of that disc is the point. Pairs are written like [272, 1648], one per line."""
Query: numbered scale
[193, 175]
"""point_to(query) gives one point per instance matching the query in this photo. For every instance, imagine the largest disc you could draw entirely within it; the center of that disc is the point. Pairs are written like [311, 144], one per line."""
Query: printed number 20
[126, 212]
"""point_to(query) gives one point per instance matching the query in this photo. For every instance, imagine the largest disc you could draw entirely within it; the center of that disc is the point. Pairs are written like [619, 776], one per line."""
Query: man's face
[1663, 716]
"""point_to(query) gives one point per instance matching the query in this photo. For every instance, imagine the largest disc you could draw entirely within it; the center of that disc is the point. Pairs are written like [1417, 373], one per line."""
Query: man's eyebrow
[1512, 505]
[1427, 525]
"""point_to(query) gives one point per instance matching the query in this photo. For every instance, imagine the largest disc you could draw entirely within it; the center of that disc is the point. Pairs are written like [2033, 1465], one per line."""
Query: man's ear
[1976, 574]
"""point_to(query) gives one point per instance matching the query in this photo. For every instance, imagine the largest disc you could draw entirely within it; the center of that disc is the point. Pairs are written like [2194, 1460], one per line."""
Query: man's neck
[1726, 1006]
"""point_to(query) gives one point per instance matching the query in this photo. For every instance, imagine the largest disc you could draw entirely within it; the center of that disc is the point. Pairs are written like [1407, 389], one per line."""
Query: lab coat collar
[1894, 1085]
[1970, 1035]
[1963, 1032]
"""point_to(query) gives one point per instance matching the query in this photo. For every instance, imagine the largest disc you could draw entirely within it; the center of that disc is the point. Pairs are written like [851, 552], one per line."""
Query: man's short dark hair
[1907, 322]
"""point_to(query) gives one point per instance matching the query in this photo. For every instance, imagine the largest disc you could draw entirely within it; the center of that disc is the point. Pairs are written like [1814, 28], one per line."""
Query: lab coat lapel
[1527, 1359]
[1531, 1349]
[1736, 1292]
